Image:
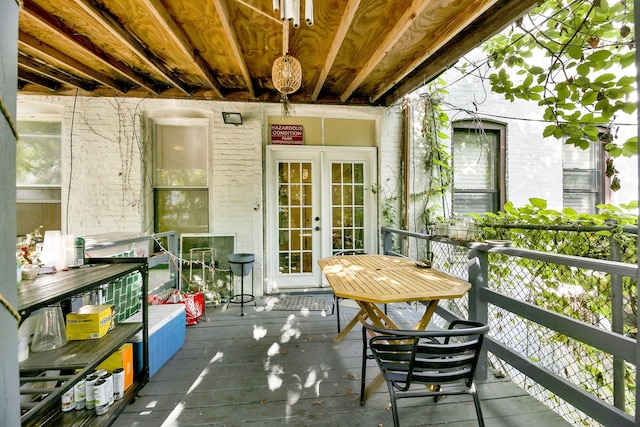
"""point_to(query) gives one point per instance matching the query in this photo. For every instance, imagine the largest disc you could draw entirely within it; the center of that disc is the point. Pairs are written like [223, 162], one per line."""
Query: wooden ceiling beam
[115, 27]
[221, 8]
[56, 25]
[28, 76]
[491, 22]
[394, 35]
[54, 74]
[338, 39]
[51, 54]
[181, 40]
[437, 44]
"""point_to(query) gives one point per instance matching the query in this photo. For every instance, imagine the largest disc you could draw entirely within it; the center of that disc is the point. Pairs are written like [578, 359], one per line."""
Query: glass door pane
[347, 206]
[295, 218]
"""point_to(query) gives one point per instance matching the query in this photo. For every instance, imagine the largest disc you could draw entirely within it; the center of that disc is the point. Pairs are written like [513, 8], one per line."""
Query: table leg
[377, 316]
[373, 386]
[426, 317]
[380, 319]
[357, 318]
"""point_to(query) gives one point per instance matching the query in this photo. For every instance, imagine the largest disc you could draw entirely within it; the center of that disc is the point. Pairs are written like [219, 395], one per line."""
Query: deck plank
[274, 368]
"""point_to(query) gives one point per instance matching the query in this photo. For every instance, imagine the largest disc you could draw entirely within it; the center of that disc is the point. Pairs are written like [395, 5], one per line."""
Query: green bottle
[79, 249]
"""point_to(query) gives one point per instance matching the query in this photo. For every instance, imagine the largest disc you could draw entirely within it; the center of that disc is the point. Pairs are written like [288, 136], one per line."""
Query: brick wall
[103, 175]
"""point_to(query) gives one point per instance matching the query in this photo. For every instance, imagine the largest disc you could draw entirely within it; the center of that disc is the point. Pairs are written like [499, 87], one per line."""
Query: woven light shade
[286, 74]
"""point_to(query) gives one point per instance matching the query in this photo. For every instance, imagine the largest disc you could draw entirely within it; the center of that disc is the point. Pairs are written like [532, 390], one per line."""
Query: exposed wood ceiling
[357, 52]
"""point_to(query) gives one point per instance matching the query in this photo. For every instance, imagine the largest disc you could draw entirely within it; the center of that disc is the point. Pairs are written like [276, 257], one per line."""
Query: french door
[319, 201]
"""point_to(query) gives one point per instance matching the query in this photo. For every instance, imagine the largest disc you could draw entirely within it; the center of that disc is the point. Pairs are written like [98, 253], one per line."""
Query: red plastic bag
[193, 303]
[194, 307]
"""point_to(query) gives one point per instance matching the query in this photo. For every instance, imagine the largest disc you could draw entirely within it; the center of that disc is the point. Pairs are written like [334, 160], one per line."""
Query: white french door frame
[321, 159]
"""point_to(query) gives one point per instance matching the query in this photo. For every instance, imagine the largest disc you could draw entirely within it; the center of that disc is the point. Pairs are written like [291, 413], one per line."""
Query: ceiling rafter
[50, 53]
[54, 74]
[338, 39]
[394, 35]
[37, 79]
[221, 7]
[499, 16]
[115, 27]
[356, 54]
[181, 40]
[409, 66]
[37, 13]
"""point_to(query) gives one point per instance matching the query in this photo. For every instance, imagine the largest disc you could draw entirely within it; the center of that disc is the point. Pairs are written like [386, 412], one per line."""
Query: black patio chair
[426, 359]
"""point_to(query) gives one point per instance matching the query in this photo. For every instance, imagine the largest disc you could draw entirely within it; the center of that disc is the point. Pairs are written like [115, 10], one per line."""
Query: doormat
[298, 303]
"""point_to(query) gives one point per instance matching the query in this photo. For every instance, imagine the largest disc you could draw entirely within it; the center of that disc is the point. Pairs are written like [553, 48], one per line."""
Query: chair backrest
[350, 252]
[429, 357]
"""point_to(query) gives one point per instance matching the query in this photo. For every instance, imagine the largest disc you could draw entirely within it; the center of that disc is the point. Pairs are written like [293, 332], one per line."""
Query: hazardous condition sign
[286, 134]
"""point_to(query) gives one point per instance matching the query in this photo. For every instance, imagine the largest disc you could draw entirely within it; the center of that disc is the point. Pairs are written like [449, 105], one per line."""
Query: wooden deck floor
[276, 368]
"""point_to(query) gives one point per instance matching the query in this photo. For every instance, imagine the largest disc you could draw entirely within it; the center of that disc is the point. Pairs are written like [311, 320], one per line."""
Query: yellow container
[90, 322]
[121, 358]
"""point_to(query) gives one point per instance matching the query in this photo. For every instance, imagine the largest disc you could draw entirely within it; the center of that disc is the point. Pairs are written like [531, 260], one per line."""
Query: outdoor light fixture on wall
[232, 118]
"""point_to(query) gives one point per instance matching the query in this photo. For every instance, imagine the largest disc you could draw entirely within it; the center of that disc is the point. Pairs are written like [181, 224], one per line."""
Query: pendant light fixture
[286, 72]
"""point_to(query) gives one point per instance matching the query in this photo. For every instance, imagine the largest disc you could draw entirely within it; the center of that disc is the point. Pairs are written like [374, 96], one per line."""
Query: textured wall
[103, 173]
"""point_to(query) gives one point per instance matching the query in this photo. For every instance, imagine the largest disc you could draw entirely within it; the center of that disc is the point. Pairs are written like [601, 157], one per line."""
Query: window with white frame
[583, 180]
[38, 171]
[478, 167]
[181, 180]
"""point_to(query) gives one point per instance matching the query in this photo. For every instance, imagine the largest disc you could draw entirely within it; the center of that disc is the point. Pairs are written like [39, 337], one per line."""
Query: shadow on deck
[275, 368]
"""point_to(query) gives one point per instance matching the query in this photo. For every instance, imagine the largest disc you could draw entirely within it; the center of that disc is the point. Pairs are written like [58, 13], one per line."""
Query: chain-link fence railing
[595, 298]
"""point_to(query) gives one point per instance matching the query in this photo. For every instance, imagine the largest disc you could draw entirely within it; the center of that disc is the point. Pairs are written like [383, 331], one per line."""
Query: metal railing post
[479, 278]
[387, 241]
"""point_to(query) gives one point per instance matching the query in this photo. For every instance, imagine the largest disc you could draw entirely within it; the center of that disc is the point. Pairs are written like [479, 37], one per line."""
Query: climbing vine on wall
[435, 156]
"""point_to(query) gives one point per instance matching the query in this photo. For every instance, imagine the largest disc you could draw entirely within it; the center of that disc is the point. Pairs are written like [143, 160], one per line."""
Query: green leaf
[599, 55]
[536, 70]
[631, 145]
[589, 97]
[538, 203]
[549, 131]
[575, 52]
[606, 77]
[591, 131]
[629, 107]
[583, 69]
[615, 152]
[628, 59]
[508, 207]
[626, 80]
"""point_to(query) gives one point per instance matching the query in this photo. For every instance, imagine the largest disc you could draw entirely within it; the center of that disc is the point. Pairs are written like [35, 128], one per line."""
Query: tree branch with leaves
[574, 58]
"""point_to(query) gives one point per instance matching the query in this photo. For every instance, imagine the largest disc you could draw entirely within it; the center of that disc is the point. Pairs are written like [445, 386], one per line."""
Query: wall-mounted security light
[232, 118]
